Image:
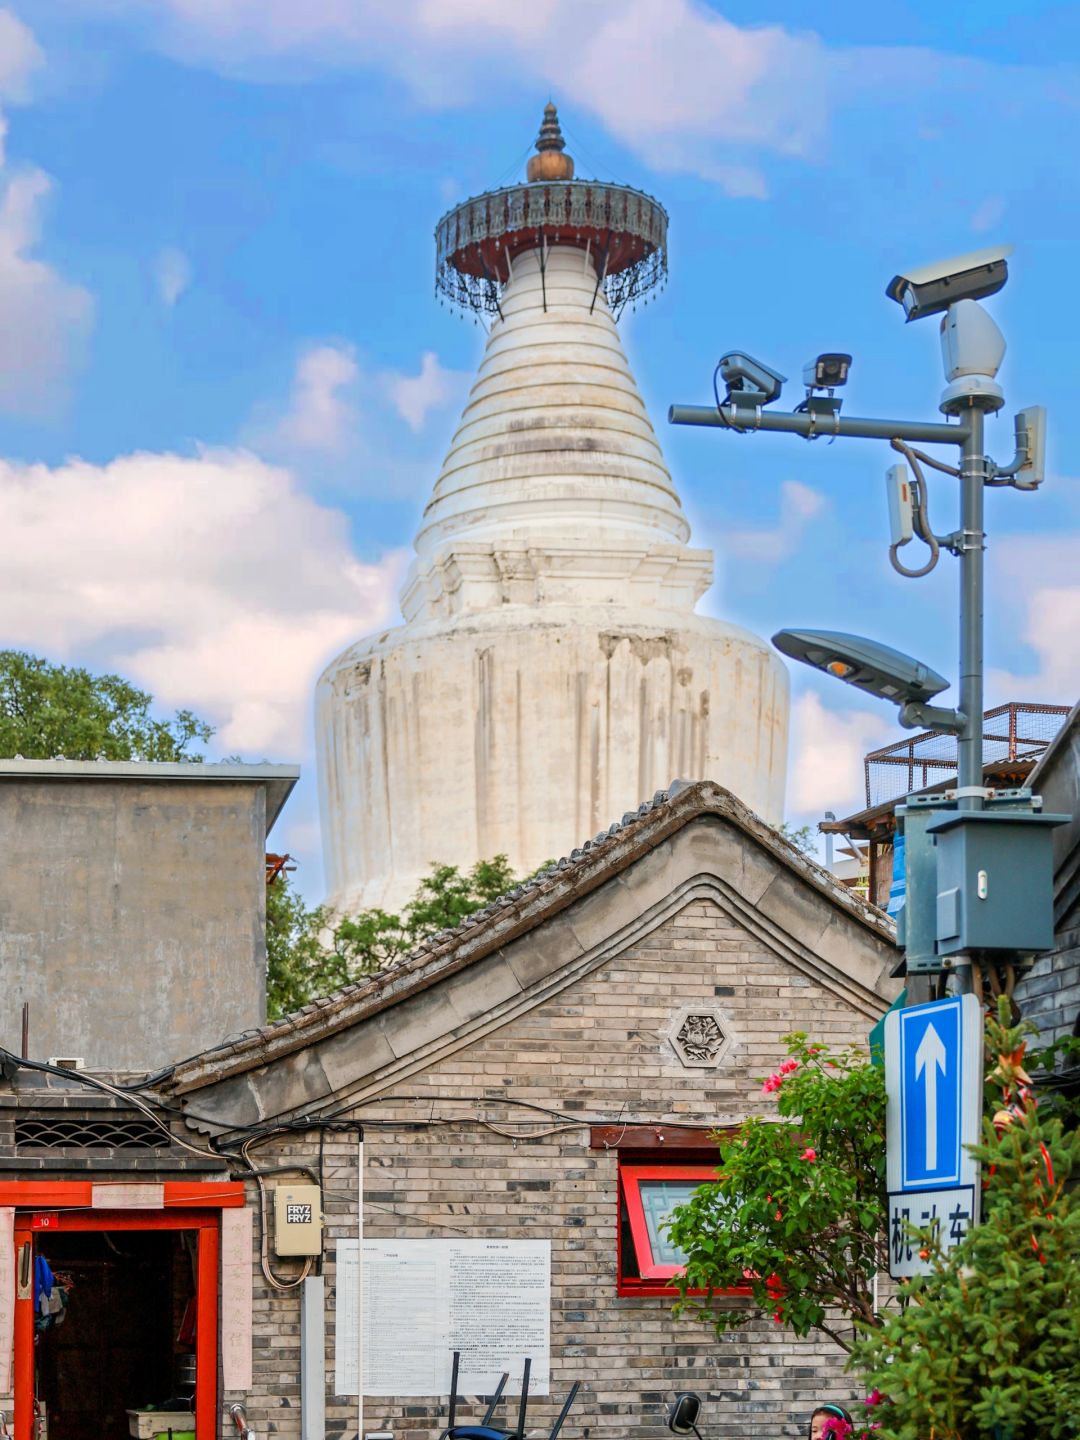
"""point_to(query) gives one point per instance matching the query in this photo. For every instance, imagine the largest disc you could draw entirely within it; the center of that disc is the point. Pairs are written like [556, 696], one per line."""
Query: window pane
[658, 1199]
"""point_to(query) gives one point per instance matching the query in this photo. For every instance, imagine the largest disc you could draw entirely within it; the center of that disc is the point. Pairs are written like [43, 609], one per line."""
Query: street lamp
[972, 351]
[875, 669]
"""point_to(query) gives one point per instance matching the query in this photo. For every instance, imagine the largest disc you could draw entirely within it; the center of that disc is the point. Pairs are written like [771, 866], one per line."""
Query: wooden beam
[656, 1137]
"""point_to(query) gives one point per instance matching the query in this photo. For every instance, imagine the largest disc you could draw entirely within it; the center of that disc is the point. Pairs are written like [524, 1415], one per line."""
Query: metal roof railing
[1015, 732]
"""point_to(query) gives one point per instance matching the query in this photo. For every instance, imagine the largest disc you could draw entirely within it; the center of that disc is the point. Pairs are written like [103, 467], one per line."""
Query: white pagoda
[551, 672]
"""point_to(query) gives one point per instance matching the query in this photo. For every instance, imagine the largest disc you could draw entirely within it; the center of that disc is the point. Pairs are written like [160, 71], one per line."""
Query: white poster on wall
[424, 1299]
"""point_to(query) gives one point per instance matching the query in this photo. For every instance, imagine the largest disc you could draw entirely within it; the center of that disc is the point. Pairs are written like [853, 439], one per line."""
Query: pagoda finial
[549, 162]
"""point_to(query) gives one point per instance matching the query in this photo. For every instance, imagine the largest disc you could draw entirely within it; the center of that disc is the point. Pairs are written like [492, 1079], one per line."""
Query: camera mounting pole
[969, 541]
[969, 544]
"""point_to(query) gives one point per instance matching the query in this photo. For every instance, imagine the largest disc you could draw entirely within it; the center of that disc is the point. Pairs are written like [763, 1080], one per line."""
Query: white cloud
[677, 82]
[1039, 575]
[988, 215]
[701, 84]
[43, 318]
[413, 396]
[20, 56]
[172, 274]
[827, 750]
[322, 410]
[212, 580]
[799, 505]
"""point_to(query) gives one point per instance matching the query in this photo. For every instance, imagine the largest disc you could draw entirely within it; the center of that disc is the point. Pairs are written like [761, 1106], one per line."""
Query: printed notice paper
[424, 1299]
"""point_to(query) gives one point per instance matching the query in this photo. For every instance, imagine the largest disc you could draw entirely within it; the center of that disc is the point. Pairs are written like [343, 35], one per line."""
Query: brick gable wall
[599, 1049]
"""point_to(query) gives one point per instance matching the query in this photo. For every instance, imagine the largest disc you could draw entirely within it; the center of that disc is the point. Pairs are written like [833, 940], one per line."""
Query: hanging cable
[921, 515]
[264, 1228]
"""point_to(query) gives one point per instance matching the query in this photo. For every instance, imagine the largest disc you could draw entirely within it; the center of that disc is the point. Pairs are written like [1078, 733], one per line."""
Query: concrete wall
[132, 916]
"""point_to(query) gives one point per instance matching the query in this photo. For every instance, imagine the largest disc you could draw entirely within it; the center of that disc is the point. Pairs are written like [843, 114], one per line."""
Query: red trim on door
[67, 1205]
[206, 1333]
[65, 1194]
[24, 1339]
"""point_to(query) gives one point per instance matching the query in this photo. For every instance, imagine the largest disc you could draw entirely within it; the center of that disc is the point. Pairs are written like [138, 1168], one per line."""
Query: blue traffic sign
[933, 1076]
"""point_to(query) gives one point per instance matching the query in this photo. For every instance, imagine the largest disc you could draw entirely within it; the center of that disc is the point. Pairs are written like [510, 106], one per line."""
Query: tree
[298, 966]
[987, 1345]
[307, 955]
[48, 711]
[798, 1209]
[802, 838]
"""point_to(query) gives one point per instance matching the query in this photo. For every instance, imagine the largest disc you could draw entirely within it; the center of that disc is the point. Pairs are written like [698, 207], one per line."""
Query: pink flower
[788, 1066]
[809, 1153]
[778, 1215]
[874, 1398]
[772, 1083]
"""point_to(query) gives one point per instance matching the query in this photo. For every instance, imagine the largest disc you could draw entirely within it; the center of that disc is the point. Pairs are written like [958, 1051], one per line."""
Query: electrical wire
[96, 1083]
[264, 1228]
[921, 513]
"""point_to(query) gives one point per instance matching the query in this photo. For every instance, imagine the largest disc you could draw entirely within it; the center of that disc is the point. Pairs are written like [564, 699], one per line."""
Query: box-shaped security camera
[298, 1220]
[995, 881]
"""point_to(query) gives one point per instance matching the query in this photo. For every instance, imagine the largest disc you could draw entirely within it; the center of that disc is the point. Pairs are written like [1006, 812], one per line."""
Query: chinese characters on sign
[946, 1214]
[933, 1084]
[424, 1299]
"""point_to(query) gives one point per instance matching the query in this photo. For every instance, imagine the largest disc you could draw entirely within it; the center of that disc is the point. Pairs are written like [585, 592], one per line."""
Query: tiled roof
[523, 907]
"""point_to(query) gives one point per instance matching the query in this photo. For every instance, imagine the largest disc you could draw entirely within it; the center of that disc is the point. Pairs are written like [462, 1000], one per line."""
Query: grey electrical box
[298, 1220]
[916, 932]
[995, 880]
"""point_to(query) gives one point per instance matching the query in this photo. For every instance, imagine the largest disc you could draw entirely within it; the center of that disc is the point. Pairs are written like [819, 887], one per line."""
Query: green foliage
[298, 967]
[47, 711]
[802, 838]
[307, 957]
[987, 1346]
[1055, 1070]
[797, 1213]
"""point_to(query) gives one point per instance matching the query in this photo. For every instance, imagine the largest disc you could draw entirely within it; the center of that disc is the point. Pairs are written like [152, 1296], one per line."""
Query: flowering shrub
[797, 1212]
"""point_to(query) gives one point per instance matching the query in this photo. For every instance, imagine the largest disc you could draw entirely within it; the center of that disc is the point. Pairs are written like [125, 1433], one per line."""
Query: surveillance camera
[875, 669]
[749, 380]
[972, 349]
[932, 288]
[826, 372]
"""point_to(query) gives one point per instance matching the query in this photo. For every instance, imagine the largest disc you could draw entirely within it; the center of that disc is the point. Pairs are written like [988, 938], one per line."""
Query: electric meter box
[995, 880]
[298, 1220]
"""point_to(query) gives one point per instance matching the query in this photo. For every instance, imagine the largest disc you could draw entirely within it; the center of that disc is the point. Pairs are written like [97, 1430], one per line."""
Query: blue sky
[226, 385]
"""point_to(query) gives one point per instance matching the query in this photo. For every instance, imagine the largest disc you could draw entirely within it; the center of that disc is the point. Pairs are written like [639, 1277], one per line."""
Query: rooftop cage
[1011, 732]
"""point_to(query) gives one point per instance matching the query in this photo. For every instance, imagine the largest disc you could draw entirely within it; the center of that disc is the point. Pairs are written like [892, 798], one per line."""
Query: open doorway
[117, 1333]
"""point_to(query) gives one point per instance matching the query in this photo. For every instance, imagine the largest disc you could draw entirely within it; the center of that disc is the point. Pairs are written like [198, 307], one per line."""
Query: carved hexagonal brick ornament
[699, 1036]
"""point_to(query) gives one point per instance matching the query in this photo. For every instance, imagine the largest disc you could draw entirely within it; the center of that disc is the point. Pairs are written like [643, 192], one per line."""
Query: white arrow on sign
[930, 1056]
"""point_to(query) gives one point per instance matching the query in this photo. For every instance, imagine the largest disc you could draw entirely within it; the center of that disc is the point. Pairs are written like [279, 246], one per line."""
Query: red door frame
[190, 1206]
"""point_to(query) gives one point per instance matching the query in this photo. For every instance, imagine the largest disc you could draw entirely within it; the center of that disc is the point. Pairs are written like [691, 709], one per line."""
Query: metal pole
[817, 426]
[969, 745]
[313, 1358]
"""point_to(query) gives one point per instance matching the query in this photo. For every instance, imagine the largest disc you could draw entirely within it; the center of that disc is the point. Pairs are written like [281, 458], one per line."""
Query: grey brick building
[519, 1082]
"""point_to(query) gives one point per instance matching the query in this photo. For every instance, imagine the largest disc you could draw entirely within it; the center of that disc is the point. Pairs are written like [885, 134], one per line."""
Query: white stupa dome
[551, 672]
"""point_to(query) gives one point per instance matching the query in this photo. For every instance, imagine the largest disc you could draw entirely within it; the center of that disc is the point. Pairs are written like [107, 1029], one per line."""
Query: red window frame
[654, 1277]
